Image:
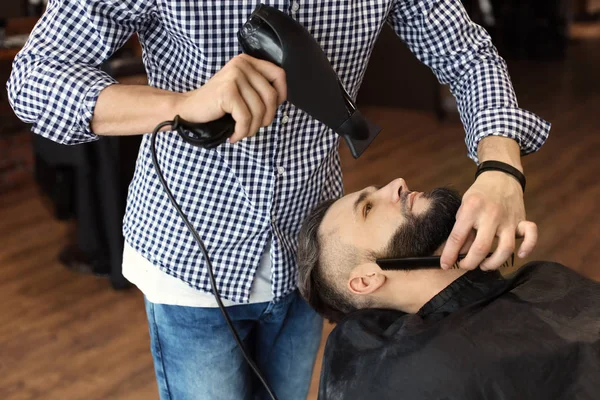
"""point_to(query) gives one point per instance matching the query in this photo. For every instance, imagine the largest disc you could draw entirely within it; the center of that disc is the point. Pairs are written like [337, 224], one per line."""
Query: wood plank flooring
[65, 336]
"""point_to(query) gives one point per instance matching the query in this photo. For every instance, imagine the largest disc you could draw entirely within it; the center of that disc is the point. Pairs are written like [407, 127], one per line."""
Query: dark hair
[315, 288]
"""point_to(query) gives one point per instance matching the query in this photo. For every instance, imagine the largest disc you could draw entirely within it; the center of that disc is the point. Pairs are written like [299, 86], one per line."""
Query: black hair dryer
[312, 84]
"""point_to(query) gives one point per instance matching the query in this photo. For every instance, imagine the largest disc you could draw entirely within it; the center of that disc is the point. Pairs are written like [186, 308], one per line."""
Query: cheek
[384, 229]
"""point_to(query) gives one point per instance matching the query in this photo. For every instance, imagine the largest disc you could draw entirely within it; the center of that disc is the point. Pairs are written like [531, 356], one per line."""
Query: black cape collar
[468, 289]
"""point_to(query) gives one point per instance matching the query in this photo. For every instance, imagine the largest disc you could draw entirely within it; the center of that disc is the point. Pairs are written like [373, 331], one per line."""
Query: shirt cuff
[529, 130]
[72, 95]
[83, 127]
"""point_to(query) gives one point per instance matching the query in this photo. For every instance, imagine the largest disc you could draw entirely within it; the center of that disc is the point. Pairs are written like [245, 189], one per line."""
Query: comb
[429, 262]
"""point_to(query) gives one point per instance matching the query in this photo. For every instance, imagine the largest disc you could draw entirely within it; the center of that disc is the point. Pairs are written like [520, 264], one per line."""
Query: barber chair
[89, 183]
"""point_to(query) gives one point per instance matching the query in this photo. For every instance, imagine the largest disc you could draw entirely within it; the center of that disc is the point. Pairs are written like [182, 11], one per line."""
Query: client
[433, 333]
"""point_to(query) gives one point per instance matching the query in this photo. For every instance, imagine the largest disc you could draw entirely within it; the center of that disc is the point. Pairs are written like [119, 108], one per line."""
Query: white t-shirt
[162, 288]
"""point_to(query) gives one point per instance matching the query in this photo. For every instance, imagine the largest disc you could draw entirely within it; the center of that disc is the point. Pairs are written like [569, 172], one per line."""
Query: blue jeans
[196, 358]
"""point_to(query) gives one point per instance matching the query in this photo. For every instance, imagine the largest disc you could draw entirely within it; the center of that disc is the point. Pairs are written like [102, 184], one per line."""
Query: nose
[394, 188]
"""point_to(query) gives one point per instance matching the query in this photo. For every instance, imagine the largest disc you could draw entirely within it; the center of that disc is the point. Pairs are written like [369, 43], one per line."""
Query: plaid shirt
[241, 196]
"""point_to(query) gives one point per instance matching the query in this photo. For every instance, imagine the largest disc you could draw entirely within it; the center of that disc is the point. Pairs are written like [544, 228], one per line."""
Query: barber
[248, 197]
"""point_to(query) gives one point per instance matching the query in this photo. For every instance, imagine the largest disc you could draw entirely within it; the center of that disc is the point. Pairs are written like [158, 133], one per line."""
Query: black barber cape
[533, 336]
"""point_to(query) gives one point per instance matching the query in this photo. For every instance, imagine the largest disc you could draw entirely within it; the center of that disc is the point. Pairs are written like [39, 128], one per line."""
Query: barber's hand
[247, 88]
[493, 207]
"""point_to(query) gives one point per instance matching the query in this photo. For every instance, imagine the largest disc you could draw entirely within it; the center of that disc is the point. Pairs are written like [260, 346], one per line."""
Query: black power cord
[205, 254]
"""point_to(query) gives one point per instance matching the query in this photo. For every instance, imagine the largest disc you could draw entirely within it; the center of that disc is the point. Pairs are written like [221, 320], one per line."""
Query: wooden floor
[66, 336]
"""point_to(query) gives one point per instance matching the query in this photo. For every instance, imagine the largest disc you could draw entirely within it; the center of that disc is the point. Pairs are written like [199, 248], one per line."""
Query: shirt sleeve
[460, 53]
[56, 80]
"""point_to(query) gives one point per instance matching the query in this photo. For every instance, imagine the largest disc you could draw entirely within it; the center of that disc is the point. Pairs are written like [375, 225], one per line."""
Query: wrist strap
[504, 167]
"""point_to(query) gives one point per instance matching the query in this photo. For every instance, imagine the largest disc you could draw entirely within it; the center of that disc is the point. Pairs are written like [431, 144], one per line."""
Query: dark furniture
[89, 182]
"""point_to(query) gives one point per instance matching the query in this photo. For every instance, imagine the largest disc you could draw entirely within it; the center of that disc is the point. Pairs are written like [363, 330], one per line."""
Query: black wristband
[504, 167]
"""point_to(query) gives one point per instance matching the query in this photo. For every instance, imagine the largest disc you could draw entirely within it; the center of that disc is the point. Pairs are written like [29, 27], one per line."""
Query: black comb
[430, 262]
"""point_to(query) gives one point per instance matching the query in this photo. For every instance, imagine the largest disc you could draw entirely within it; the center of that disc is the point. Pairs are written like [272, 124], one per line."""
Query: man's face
[392, 221]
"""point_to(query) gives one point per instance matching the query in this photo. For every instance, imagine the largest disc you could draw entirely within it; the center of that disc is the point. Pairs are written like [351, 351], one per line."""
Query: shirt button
[285, 119]
[295, 6]
[280, 170]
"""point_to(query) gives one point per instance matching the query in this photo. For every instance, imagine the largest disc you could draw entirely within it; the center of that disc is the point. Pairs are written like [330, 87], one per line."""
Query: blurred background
[71, 327]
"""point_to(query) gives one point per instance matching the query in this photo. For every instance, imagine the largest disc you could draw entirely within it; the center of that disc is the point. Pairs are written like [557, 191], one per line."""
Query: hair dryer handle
[205, 134]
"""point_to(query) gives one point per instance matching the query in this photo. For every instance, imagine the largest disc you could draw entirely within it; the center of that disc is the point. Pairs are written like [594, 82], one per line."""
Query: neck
[409, 291]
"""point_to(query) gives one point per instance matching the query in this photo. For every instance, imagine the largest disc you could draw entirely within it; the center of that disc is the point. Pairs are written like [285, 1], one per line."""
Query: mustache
[444, 199]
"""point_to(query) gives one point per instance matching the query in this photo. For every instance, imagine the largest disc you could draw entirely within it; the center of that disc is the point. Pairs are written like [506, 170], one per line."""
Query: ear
[366, 279]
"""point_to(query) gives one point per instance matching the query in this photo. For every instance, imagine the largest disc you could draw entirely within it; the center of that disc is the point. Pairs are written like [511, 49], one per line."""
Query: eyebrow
[363, 195]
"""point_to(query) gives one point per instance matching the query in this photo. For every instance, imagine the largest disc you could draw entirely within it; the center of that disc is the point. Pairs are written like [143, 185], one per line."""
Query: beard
[421, 235]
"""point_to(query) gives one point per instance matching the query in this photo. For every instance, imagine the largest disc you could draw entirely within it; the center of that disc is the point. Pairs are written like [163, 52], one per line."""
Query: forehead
[341, 213]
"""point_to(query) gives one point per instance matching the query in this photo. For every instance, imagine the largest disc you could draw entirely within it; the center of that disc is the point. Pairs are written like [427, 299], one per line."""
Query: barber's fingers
[463, 227]
[274, 74]
[247, 88]
[237, 107]
[254, 103]
[262, 87]
[468, 242]
[480, 248]
[267, 92]
[529, 232]
[504, 250]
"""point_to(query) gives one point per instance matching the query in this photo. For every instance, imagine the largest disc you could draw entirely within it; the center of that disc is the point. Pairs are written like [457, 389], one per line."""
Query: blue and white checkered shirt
[241, 196]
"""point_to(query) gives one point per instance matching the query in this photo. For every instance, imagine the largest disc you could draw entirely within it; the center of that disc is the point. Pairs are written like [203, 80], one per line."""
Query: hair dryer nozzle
[358, 132]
